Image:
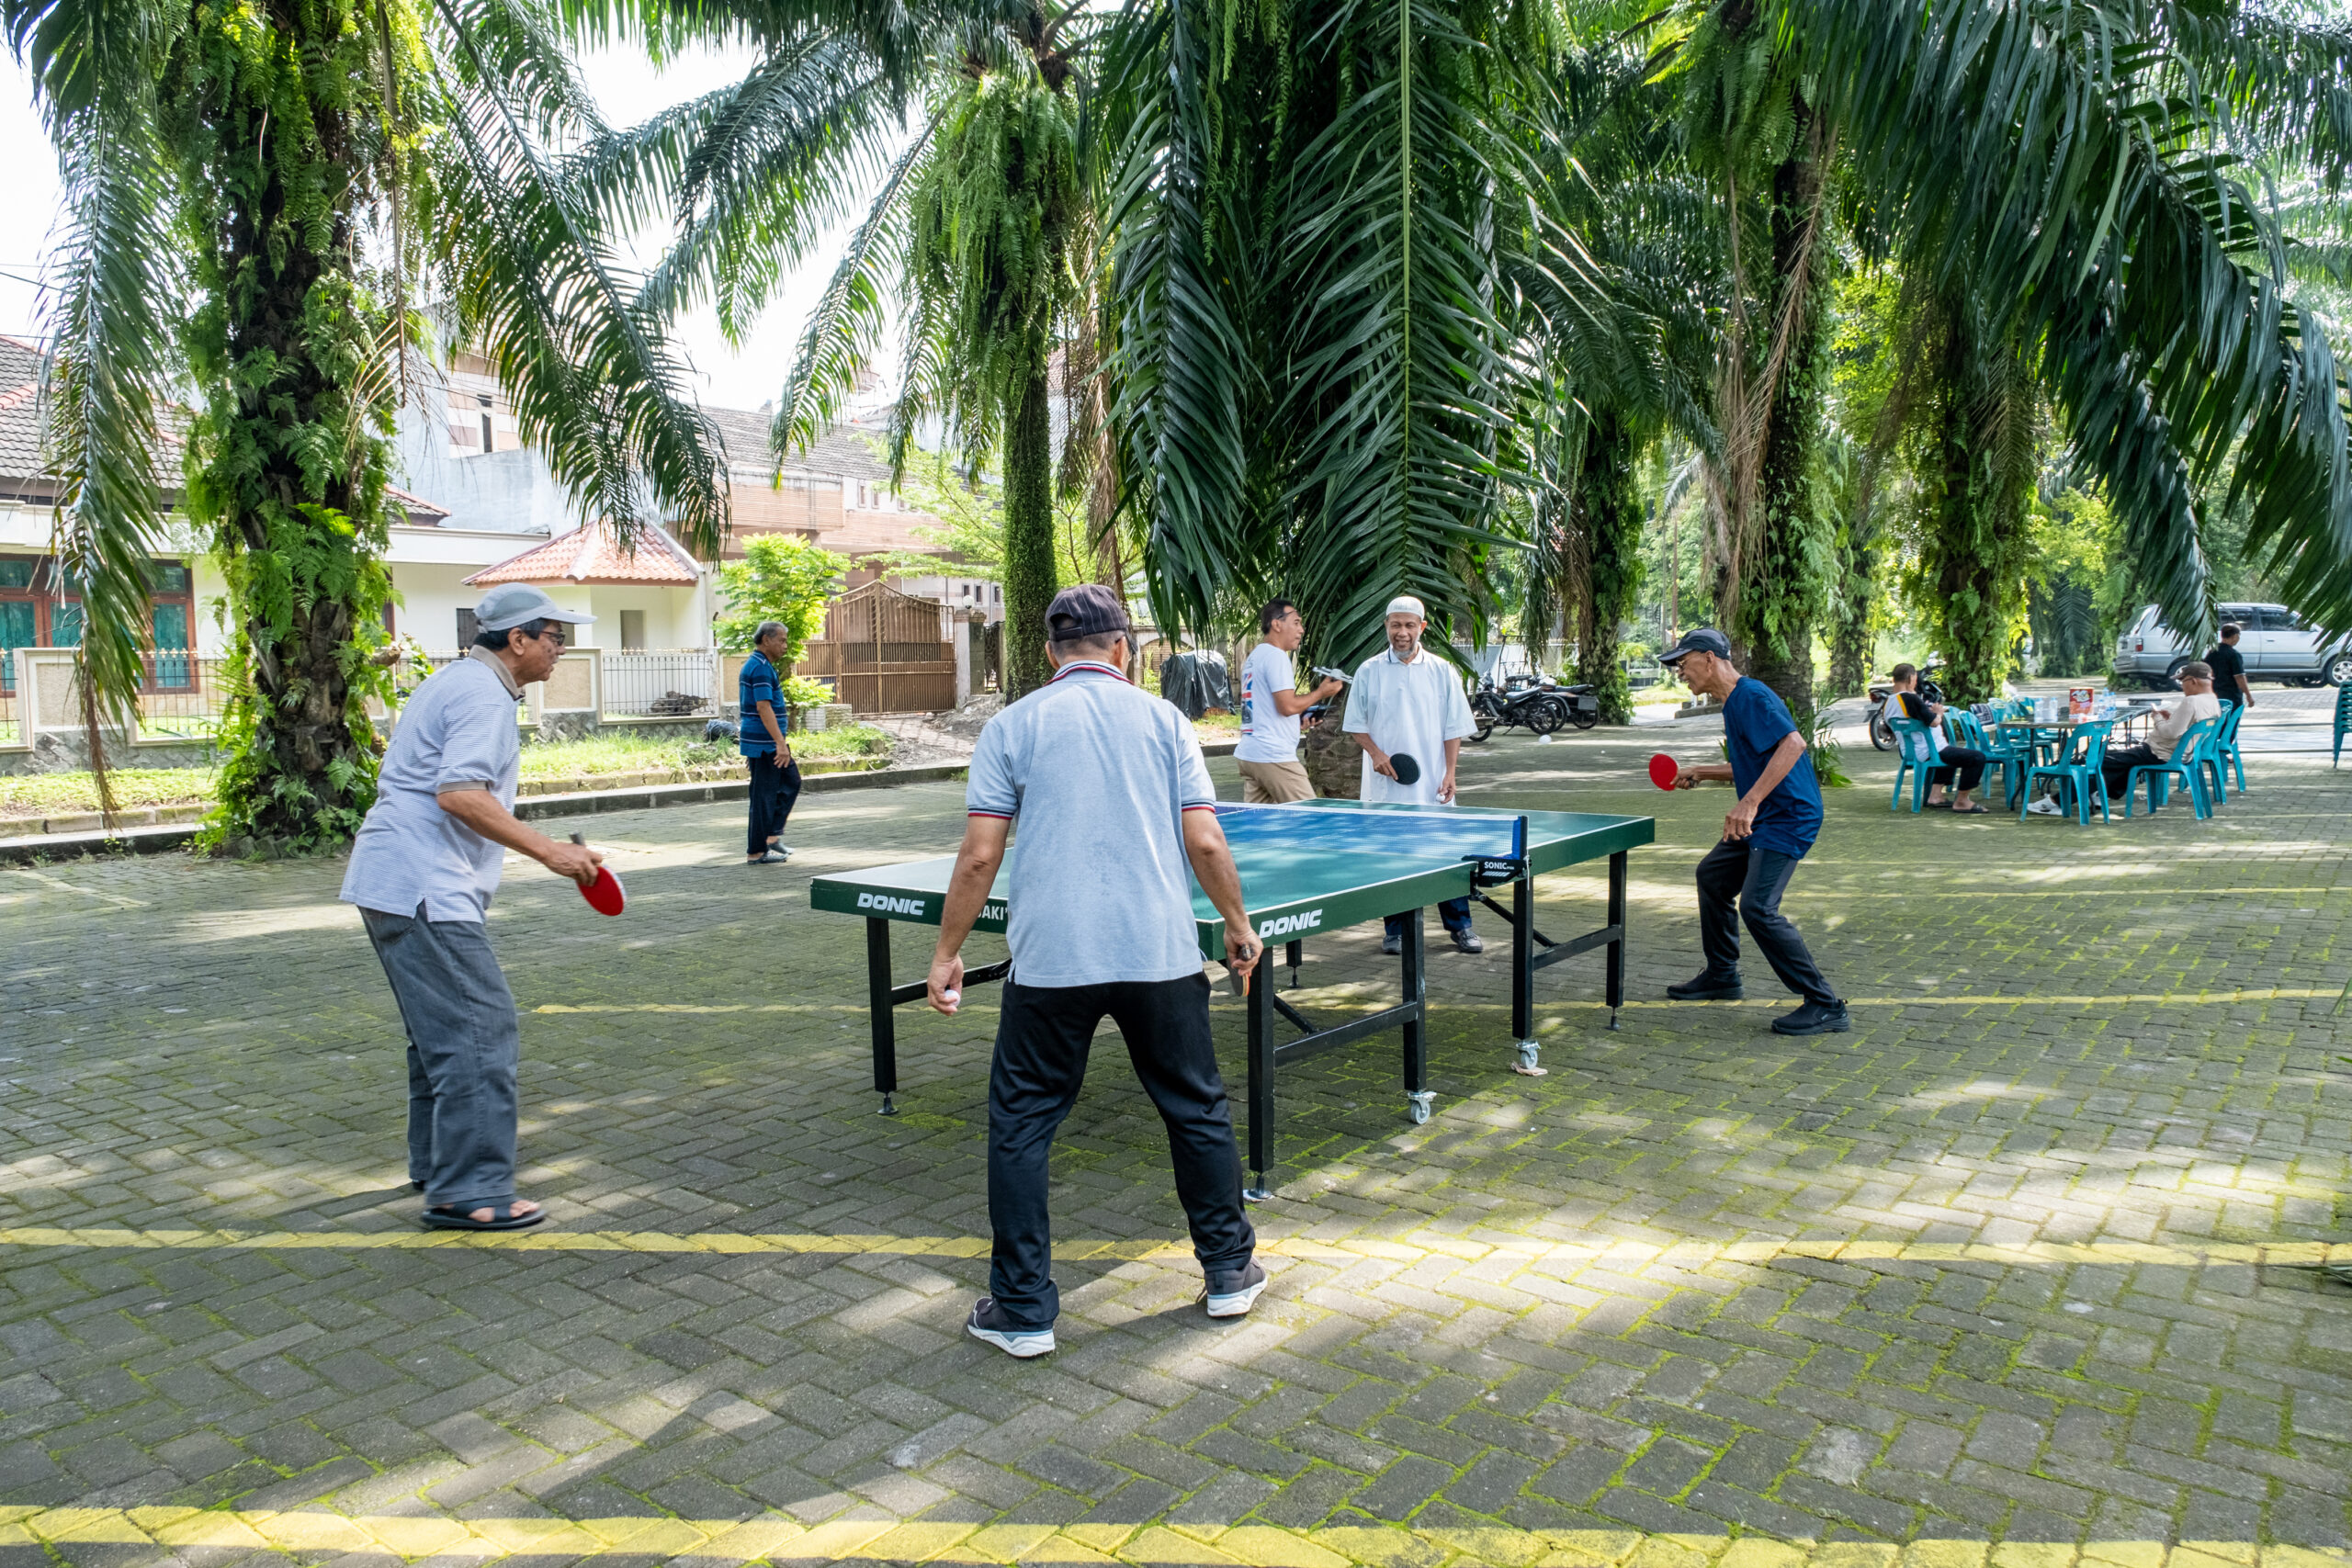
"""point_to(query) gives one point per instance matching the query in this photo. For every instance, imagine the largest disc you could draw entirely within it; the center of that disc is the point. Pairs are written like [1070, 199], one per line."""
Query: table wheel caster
[888, 1109]
[1526, 1066]
[1418, 1103]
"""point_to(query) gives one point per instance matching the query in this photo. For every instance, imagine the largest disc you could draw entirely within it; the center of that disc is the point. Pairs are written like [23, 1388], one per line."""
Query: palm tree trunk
[1973, 556]
[1780, 588]
[1610, 519]
[1029, 572]
[1853, 629]
[288, 457]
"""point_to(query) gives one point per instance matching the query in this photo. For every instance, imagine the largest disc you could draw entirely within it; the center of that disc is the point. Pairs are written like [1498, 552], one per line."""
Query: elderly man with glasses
[423, 871]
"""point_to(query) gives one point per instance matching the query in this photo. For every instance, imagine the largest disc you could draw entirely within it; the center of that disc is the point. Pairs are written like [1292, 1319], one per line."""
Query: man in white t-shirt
[1270, 703]
[1409, 702]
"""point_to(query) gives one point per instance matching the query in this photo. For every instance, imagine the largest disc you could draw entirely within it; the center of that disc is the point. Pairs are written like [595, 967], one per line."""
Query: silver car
[2277, 643]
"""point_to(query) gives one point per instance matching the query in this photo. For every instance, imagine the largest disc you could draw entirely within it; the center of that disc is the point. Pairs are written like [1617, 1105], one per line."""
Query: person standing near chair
[1116, 820]
[1408, 700]
[1964, 765]
[775, 776]
[1270, 703]
[2228, 665]
[2195, 703]
[423, 872]
[1766, 834]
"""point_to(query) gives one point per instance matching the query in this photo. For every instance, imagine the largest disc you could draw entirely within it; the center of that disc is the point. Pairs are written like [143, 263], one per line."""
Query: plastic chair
[2224, 753]
[2079, 770]
[1915, 753]
[2186, 765]
[2343, 720]
[2009, 758]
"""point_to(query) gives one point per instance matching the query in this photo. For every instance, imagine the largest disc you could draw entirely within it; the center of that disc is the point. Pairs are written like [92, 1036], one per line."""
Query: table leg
[1522, 971]
[1617, 947]
[1296, 954]
[1418, 1097]
[1261, 1069]
[879, 1005]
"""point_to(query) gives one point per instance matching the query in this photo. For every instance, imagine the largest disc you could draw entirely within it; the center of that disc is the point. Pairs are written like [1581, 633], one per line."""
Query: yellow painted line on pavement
[2305, 1254]
[2149, 998]
[782, 1541]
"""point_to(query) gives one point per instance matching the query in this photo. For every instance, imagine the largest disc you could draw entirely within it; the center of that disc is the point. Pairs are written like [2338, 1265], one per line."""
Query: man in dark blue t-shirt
[1765, 834]
[776, 777]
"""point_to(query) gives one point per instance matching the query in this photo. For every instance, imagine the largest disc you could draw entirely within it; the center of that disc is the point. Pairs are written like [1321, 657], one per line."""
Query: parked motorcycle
[1531, 703]
[1882, 732]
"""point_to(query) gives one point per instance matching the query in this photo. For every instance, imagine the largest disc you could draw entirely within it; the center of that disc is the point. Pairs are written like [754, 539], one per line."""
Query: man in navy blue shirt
[1766, 833]
[776, 777]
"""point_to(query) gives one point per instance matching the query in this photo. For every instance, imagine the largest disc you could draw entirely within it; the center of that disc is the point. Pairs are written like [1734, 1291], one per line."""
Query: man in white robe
[1409, 700]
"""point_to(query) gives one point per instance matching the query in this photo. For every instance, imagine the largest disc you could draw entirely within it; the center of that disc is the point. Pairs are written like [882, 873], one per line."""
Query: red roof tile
[594, 554]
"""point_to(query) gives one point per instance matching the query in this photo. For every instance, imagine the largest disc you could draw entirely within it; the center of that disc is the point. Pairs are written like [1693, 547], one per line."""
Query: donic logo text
[1290, 925]
[883, 904]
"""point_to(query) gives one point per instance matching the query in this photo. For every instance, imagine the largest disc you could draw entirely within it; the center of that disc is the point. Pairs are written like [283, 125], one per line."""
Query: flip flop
[1972, 811]
[503, 1217]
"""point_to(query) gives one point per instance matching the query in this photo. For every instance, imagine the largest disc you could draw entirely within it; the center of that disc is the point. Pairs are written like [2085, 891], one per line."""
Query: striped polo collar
[1091, 667]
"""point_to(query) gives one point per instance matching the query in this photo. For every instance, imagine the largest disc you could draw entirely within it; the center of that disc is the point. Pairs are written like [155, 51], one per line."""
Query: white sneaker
[2045, 807]
[987, 1325]
[1231, 1295]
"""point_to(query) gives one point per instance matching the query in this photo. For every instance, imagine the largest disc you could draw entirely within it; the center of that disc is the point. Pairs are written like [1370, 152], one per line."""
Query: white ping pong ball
[951, 997]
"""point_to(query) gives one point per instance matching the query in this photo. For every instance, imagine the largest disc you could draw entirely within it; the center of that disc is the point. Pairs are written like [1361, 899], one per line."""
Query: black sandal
[503, 1217]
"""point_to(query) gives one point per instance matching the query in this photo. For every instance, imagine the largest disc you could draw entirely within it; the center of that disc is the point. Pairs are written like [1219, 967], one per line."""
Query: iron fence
[659, 683]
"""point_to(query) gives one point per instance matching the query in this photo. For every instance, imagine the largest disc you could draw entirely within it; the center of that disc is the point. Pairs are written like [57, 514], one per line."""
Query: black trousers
[774, 790]
[1454, 912]
[1966, 761]
[1042, 1039]
[2121, 760]
[1737, 868]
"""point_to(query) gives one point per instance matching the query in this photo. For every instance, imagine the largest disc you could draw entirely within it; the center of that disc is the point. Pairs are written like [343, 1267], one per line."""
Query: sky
[629, 89]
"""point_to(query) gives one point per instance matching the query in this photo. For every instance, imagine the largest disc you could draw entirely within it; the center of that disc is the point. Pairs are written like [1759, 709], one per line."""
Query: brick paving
[2021, 1270]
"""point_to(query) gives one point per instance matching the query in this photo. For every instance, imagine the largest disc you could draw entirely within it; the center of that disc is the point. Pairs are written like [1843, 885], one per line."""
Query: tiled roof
[419, 510]
[840, 451]
[20, 372]
[594, 554]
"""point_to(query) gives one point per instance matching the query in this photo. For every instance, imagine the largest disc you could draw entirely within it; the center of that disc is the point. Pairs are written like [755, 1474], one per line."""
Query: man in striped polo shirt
[1114, 807]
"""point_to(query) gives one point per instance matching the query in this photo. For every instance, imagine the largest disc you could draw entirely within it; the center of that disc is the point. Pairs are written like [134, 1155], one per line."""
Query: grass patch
[61, 795]
[35, 796]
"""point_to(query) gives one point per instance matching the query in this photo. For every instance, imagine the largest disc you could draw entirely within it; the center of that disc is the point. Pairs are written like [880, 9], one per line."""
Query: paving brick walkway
[2019, 1271]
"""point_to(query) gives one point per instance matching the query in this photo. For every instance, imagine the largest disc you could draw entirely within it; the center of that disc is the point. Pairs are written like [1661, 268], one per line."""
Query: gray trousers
[462, 1048]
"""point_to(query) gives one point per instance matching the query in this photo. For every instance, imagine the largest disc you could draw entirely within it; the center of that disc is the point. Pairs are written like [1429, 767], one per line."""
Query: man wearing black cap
[1766, 833]
[1117, 816]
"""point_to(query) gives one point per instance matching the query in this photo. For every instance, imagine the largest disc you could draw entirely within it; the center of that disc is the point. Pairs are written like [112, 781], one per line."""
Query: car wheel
[2339, 670]
[2172, 675]
[1882, 732]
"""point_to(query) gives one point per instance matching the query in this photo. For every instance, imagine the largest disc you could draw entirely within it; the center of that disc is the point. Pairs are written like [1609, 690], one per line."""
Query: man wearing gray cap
[423, 871]
[1113, 804]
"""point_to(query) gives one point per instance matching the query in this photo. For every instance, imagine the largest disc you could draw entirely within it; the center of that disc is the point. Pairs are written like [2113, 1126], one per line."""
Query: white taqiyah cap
[1406, 604]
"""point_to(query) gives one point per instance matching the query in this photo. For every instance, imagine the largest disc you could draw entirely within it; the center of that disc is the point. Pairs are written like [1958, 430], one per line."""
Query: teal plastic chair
[2343, 720]
[2078, 773]
[2223, 754]
[1915, 754]
[2011, 758]
[2186, 765]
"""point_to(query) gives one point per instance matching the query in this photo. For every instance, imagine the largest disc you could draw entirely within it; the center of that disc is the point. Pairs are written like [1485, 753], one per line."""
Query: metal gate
[884, 653]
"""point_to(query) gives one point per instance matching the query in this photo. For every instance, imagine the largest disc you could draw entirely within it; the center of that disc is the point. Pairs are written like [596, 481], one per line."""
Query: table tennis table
[1318, 865]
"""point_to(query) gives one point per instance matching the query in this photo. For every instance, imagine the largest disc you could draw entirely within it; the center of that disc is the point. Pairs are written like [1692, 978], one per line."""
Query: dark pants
[462, 1046]
[1454, 912]
[1042, 1039]
[1970, 765]
[774, 790]
[2121, 760]
[1736, 868]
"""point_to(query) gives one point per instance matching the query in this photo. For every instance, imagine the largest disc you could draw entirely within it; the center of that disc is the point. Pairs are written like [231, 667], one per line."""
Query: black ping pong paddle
[1402, 764]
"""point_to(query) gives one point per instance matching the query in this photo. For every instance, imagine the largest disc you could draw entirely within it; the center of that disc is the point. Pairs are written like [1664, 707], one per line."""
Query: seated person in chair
[2196, 703]
[1965, 761]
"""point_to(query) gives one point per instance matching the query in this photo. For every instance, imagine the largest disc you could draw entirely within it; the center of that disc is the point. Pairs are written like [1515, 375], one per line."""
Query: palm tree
[258, 199]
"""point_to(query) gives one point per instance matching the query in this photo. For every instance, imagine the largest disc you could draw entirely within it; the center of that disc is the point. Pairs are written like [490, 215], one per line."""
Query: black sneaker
[1467, 942]
[988, 1326]
[1231, 1295]
[1707, 988]
[1814, 1019]
[1394, 943]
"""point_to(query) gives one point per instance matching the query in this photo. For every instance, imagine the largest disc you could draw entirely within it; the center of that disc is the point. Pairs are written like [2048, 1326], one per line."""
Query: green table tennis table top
[1315, 865]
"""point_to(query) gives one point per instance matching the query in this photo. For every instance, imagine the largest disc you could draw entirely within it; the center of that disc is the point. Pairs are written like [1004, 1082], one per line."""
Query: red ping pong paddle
[605, 895]
[1405, 768]
[1663, 770]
